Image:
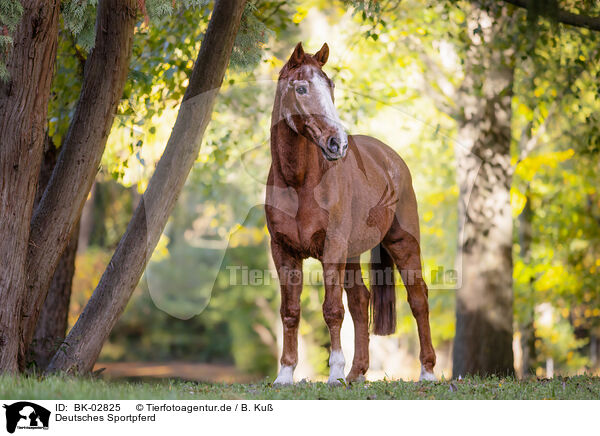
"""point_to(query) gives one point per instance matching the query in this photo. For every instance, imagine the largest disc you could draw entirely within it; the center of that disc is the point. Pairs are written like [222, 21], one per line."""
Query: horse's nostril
[333, 144]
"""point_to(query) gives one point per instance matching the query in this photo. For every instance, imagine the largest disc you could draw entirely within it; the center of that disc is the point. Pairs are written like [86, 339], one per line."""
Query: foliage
[250, 40]
[555, 99]
[492, 388]
[80, 19]
[556, 96]
[10, 15]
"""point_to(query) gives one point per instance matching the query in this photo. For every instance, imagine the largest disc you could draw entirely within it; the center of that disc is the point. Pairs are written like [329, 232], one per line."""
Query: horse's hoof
[355, 378]
[283, 380]
[426, 375]
[360, 379]
[336, 381]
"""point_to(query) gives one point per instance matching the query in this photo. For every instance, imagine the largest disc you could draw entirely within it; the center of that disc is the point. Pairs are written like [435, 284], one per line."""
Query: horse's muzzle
[334, 151]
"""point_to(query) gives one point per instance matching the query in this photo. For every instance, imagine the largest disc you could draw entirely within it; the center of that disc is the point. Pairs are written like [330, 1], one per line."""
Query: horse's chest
[303, 232]
[311, 223]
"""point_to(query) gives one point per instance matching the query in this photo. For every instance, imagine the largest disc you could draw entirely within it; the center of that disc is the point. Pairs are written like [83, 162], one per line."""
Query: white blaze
[328, 110]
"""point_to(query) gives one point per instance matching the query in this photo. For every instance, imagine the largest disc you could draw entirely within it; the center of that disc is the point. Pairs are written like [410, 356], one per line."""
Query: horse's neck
[293, 156]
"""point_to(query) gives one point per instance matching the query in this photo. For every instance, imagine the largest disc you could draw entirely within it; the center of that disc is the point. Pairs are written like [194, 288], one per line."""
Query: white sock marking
[336, 367]
[286, 376]
[426, 375]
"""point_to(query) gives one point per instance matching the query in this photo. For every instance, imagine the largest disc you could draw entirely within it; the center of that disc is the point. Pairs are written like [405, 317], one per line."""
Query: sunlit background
[188, 319]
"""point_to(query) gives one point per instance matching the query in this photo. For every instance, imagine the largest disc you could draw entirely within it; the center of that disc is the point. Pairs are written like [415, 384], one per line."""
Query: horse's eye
[301, 90]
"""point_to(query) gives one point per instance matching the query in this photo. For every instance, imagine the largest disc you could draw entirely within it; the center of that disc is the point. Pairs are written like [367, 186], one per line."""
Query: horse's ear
[322, 55]
[297, 55]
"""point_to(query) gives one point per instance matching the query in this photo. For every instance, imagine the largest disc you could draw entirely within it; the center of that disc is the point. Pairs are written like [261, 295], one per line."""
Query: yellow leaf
[300, 15]
[517, 202]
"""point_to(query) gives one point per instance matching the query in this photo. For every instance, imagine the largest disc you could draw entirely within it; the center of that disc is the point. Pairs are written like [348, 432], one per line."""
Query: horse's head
[307, 102]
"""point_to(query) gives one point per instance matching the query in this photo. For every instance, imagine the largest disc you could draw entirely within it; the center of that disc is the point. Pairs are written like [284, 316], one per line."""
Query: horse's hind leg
[358, 303]
[402, 242]
[289, 270]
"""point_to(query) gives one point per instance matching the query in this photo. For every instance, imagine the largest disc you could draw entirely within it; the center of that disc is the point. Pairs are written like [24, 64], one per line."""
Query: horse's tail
[383, 292]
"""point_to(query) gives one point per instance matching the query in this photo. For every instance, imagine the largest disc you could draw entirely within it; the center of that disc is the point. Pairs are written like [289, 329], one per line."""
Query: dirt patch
[206, 372]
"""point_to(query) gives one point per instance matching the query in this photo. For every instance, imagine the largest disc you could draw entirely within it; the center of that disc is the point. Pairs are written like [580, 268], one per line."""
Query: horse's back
[375, 155]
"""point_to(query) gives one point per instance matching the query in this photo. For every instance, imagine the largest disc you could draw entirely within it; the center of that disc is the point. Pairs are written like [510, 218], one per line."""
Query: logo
[26, 415]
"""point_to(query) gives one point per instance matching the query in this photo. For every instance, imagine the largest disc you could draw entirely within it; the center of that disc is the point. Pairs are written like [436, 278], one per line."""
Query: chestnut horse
[332, 197]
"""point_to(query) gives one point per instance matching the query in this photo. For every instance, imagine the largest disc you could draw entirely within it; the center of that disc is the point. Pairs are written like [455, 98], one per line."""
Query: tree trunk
[60, 206]
[83, 344]
[527, 326]
[52, 325]
[23, 110]
[484, 307]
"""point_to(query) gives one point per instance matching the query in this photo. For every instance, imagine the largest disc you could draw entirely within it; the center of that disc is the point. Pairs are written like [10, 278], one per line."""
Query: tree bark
[484, 307]
[51, 328]
[23, 110]
[60, 206]
[83, 344]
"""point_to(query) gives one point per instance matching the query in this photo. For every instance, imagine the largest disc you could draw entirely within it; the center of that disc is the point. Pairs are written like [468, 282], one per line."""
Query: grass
[471, 388]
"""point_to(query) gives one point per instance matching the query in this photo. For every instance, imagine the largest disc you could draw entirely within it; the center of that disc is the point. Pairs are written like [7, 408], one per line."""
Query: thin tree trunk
[83, 344]
[60, 206]
[52, 325]
[527, 327]
[484, 307]
[23, 109]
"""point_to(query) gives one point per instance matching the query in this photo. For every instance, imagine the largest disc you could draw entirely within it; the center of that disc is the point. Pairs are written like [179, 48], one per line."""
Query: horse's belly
[358, 244]
[364, 237]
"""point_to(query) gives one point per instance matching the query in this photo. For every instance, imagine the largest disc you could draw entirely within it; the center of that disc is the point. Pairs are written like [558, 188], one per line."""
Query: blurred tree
[484, 307]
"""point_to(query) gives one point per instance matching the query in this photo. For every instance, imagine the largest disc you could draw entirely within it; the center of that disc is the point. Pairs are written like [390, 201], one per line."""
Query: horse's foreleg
[289, 270]
[358, 303]
[334, 266]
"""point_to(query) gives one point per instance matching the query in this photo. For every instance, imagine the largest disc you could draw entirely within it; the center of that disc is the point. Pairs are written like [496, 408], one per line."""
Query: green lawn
[578, 387]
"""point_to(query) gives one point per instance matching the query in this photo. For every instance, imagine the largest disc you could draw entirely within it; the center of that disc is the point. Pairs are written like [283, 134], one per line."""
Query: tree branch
[528, 143]
[566, 17]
